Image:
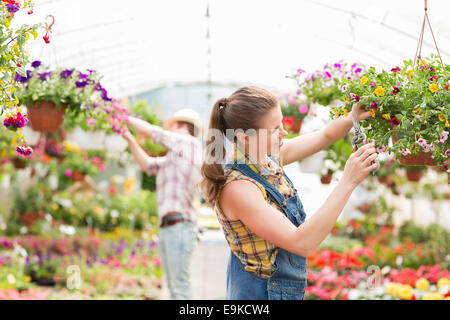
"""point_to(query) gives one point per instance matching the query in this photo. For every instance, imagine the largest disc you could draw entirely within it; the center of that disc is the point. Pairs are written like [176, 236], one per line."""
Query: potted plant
[414, 173]
[76, 165]
[49, 94]
[408, 104]
[385, 173]
[324, 86]
[336, 156]
[294, 110]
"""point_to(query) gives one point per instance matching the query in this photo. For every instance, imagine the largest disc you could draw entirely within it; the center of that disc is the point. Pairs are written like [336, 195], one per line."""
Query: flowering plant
[324, 86]
[408, 104]
[387, 168]
[294, 106]
[14, 56]
[62, 86]
[77, 161]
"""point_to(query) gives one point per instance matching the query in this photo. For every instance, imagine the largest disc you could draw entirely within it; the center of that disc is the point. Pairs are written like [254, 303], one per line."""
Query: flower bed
[110, 269]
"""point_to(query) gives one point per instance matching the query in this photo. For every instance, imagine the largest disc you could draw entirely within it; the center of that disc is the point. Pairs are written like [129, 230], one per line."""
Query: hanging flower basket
[414, 175]
[314, 163]
[386, 180]
[422, 158]
[115, 143]
[46, 116]
[408, 104]
[19, 163]
[326, 179]
[77, 176]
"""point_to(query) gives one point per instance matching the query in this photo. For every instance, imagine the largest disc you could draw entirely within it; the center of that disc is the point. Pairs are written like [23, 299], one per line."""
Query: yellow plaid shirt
[256, 254]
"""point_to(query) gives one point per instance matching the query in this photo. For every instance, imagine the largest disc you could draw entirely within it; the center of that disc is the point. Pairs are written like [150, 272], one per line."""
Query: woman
[256, 203]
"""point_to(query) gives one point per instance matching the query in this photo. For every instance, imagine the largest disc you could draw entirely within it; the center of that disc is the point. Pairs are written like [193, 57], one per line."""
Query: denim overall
[288, 281]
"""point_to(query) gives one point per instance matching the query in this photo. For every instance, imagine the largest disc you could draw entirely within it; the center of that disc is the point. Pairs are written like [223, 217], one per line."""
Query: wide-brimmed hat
[188, 115]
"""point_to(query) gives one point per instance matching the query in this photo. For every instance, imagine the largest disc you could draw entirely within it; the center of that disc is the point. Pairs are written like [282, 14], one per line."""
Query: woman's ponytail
[212, 168]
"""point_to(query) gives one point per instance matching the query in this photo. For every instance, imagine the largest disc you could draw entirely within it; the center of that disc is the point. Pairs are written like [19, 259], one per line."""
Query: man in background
[177, 172]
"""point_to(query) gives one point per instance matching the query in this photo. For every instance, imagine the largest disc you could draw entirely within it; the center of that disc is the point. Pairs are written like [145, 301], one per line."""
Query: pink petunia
[303, 108]
[91, 122]
[405, 152]
[68, 173]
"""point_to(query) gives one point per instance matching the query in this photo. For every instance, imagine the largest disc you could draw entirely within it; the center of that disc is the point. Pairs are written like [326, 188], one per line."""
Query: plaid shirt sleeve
[164, 137]
[154, 164]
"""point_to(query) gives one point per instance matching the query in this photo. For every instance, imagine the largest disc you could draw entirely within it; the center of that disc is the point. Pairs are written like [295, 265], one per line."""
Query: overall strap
[270, 189]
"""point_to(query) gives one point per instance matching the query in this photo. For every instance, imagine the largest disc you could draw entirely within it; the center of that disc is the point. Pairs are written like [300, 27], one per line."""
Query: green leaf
[21, 71]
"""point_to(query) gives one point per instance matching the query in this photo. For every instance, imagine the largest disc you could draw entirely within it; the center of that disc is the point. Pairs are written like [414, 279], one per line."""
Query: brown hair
[241, 110]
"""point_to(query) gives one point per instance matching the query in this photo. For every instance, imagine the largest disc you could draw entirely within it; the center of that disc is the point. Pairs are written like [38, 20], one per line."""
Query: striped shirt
[177, 172]
[256, 254]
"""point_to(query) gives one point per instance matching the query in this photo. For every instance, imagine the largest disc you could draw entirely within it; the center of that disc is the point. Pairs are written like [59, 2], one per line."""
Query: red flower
[288, 121]
[112, 190]
[395, 121]
[374, 105]
[446, 87]
[395, 91]
[395, 69]
[434, 78]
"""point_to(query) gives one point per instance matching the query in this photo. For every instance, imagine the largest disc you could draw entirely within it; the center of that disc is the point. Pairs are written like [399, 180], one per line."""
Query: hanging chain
[422, 31]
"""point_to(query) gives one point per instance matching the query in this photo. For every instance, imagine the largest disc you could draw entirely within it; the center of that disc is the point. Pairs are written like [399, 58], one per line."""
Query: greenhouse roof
[141, 45]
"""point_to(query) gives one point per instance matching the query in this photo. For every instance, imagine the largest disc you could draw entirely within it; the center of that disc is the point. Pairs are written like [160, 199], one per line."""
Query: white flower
[443, 137]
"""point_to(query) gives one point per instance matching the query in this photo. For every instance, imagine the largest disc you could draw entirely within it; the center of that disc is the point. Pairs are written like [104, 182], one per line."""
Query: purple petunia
[82, 76]
[36, 64]
[81, 84]
[21, 79]
[44, 76]
[66, 73]
[12, 7]
[358, 70]
[328, 75]
[374, 105]
[99, 87]
[105, 95]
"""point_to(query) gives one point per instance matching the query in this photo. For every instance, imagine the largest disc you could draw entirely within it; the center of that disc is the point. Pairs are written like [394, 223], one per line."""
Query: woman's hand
[359, 111]
[359, 165]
